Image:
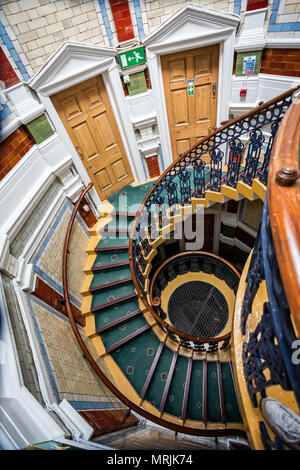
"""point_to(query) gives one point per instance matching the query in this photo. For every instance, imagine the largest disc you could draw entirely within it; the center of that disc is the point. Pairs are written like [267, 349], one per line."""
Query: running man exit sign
[133, 57]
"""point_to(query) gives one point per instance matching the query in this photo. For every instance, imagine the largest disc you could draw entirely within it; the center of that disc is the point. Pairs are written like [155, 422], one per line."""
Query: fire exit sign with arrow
[133, 57]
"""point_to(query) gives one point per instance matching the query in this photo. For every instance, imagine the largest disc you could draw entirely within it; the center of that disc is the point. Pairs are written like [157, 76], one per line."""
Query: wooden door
[86, 113]
[190, 117]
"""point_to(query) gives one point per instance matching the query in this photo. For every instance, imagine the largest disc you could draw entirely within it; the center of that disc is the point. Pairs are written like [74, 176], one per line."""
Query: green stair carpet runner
[133, 345]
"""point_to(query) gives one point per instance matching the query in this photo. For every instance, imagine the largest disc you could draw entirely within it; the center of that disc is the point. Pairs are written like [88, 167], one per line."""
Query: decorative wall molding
[26, 106]
[252, 36]
[190, 27]
[284, 43]
[261, 87]
[26, 183]
[22, 419]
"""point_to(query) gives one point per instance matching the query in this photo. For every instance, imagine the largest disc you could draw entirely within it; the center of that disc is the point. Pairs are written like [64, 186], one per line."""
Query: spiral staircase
[166, 369]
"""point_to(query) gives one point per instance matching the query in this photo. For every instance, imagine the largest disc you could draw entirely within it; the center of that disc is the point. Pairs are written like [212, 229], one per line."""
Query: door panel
[190, 117]
[88, 118]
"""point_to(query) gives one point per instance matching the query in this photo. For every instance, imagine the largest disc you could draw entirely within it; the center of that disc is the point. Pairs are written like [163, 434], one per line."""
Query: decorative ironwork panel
[261, 353]
[254, 277]
[216, 157]
[234, 162]
[281, 317]
[172, 198]
[263, 118]
[263, 172]
[185, 187]
[268, 444]
[140, 257]
[252, 159]
[199, 179]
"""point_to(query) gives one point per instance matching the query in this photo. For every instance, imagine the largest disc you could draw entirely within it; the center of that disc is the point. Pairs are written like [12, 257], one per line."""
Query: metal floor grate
[199, 309]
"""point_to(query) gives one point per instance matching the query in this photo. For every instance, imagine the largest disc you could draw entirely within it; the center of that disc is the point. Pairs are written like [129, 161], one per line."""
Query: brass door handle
[79, 152]
[214, 89]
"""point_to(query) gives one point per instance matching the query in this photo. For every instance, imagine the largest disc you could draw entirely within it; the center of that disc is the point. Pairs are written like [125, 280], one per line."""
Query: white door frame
[189, 28]
[74, 63]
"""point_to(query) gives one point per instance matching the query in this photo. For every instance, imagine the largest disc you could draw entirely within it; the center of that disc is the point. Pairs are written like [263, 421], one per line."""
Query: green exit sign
[133, 57]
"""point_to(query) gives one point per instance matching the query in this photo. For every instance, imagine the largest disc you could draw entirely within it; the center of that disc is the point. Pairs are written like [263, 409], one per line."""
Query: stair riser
[109, 284]
[108, 304]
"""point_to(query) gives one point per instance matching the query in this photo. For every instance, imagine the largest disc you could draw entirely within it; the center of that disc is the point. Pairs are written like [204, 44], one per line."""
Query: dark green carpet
[175, 396]
[159, 378]
[110, 275]
[111, 258]
[136, 356]
[194, 408]
[119, 310]
[116, 334]
[231, 405]
[113, 293]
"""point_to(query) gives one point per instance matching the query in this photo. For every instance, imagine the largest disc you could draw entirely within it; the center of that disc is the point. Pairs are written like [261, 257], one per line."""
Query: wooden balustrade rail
[284, 206]
[178, 257]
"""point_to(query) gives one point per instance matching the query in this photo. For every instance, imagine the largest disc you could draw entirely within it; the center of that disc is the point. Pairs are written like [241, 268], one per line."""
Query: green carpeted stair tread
[111, 258]
[158, 381]
[112, 294]
[135, 358]
[213, 397]
[128, 199]
[121, 331]
[230, 400]
[107, 276]
[195, 406]
[114, 312]
[175, 396]
[117, 223]
[109, 243]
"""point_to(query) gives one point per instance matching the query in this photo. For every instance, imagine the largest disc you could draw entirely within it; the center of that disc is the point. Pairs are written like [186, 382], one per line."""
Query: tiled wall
[7, 73]
[40, 129]
[248, 216]
[255, 4]
[48, 257]
[13, 149]
[137, 83]
[28, 369]
[281, 62]
[153, 166]
[41, 27]
[34, 29]
[54, 299]
[70, 374]
[20, 240]
[122, 19]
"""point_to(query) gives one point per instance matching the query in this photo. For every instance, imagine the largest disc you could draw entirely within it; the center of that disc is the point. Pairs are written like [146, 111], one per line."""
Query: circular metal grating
[199, 309]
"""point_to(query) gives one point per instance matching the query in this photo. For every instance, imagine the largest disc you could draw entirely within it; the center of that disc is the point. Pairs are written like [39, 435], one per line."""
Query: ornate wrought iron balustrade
[182, 264]
[270, 345]
[248, 138]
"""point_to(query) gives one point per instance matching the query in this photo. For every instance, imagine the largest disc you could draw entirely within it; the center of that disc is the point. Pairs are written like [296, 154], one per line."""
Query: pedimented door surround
[87, 116]
[74, 63]
[191, 114]
[189, 28]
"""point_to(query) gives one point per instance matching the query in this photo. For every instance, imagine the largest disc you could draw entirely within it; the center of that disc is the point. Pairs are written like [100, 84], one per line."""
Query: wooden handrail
[284, 206]
[101, 375]
[142, 205]
[188, 254]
